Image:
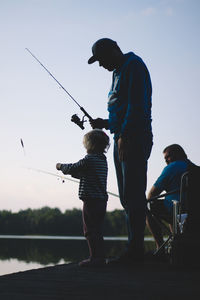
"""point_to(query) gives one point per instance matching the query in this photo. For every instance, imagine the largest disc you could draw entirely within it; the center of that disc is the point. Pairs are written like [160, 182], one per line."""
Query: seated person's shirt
[170, 179]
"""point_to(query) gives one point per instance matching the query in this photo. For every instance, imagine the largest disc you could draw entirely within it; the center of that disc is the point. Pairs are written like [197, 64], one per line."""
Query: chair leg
[157, 252]
[156, 226]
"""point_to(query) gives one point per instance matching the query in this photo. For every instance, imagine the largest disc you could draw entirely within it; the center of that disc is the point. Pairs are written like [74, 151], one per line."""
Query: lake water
[21, 253]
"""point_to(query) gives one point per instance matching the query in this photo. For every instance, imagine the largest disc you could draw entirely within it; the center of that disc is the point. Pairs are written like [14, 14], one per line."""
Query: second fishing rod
[75, 117]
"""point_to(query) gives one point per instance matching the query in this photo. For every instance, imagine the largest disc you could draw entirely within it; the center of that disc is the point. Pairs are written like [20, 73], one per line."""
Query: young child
[92, 171]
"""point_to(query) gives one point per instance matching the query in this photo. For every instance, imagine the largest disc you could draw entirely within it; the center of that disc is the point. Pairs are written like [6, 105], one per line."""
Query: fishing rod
[163, 195]
[75, 119]
[53, 174]
[64, 178]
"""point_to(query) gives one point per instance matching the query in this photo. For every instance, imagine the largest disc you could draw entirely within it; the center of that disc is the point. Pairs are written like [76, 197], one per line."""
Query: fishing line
[64, 178]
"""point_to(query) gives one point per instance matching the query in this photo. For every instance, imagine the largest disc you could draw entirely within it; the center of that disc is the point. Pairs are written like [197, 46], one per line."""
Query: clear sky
[165, 33]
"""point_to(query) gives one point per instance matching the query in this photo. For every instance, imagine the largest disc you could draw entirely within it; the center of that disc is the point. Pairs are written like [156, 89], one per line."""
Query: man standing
[129, 107]
[169, 180]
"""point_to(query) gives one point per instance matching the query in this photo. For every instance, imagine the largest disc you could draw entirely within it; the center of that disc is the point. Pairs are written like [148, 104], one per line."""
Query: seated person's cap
[100, 48]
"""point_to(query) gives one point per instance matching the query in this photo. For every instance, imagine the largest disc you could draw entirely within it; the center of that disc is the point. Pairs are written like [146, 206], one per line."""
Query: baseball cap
[101, 48]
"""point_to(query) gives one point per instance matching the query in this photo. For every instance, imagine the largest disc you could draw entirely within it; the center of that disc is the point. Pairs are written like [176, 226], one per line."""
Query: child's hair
[96, 141]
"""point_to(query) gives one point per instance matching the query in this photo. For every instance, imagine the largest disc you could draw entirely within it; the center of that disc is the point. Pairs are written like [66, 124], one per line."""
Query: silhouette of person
[129, 107]
[92, 172]
[169, 180]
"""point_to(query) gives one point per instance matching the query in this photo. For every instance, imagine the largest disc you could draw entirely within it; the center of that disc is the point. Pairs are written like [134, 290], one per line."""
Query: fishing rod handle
[86, 114]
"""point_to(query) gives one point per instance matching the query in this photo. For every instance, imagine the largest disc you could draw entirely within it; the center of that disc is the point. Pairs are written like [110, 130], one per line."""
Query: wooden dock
[151, 281]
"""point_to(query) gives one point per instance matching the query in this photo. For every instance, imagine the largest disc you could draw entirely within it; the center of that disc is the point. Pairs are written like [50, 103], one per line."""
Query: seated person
[169, 180]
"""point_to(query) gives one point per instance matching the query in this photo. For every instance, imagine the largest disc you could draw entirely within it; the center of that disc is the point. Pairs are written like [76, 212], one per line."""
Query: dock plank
[150, 281]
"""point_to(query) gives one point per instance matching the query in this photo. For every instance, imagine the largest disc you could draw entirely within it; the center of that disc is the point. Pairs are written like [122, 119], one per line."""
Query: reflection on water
[13, 265]
[22, 254]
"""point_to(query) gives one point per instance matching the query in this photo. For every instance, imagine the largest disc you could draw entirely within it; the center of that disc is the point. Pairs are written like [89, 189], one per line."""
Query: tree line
[51, 221]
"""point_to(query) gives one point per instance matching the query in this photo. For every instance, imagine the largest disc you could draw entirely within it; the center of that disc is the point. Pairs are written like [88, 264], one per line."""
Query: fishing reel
[75, 119]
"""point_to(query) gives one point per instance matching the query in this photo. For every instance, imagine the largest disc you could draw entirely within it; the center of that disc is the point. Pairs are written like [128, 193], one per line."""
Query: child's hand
[58, 166]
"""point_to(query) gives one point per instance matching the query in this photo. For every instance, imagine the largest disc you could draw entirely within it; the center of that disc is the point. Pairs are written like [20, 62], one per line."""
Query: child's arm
[76, 170]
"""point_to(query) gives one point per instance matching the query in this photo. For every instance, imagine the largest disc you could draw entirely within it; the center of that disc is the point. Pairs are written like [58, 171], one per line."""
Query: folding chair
[184, 246]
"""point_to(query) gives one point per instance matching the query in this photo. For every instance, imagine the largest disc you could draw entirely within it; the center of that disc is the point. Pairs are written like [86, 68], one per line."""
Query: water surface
[20, 253]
